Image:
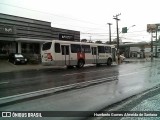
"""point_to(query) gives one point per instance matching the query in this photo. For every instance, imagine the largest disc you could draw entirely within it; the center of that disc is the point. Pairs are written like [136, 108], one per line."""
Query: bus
[70, 53]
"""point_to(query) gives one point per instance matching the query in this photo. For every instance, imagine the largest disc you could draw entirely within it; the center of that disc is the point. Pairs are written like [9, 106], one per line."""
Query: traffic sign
[124, 30]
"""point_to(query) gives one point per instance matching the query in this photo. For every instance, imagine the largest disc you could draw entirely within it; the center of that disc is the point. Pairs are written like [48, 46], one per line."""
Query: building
[24, 35]
[136, 50]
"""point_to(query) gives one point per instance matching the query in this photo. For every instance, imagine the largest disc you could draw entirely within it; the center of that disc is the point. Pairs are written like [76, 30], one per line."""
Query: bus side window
[57, 48]
[94, 52]
[86, 48]
[101, 49]
[75, 48]
[107, 49]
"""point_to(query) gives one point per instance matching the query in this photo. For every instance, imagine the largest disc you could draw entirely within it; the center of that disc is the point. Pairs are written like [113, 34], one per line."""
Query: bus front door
[94, 53]
[65, 55]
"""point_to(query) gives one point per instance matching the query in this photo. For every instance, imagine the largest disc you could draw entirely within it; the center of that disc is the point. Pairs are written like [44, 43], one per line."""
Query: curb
[137, 61]
[45, 68]
[32, 69]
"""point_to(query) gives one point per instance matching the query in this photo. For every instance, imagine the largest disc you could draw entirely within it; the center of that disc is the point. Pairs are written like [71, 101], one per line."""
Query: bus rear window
[46, 46]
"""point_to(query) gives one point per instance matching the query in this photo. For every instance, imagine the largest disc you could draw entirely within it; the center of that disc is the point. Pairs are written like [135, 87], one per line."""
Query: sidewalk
[143, 106]
[140, 60]
[6, 66]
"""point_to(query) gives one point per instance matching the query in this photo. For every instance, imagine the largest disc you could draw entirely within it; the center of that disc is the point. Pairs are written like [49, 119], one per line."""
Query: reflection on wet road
[129, 75]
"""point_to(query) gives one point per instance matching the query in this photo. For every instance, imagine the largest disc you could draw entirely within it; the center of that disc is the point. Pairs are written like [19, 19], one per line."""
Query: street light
[125, 29]
[131, 27]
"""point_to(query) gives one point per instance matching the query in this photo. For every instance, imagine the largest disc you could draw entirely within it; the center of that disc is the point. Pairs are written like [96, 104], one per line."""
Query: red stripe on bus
[80, 55]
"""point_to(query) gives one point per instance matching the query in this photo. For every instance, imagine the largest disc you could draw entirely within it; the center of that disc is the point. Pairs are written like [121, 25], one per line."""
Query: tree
[99, 42]
[90, 41]
[112, 42]
[84, 40]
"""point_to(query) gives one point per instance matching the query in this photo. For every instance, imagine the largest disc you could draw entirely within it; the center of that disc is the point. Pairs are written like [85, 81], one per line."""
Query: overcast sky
[90, 17]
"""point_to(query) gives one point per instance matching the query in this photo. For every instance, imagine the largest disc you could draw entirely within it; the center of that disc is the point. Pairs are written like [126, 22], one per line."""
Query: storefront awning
[31, 40]
[7, 39]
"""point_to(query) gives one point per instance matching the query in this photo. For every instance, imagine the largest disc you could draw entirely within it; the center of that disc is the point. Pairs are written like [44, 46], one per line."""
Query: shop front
[30, 48]
[7, 40]
[7, 47]
[26, 36]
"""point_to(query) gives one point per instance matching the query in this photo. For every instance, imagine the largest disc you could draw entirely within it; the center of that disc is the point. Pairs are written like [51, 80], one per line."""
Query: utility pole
[156, 40]
[90, 37]
[152, 46]
[117, 19]
[109, 32]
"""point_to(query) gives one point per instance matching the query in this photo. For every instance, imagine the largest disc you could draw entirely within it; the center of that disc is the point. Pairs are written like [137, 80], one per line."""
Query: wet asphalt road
[14, 83]
[132, 78]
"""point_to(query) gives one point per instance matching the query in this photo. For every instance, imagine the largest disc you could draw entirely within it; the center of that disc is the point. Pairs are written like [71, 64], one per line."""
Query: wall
[70, 35]
[26, 28]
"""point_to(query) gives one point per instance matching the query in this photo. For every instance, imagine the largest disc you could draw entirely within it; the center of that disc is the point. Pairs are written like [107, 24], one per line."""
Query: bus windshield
[46, 46]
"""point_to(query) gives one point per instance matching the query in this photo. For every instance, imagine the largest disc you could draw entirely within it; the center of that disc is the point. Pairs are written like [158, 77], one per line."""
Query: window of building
[75, 48]
[7, 47]
[30, 48]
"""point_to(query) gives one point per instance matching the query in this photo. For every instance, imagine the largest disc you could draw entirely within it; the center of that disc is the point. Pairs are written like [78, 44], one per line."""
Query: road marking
[133, 73]
[98, 71]
[4, 82]
[83, 72]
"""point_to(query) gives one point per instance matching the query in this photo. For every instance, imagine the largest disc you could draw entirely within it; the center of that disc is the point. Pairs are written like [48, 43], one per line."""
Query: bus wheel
[109, 62]
[80, 64]
[97, 64]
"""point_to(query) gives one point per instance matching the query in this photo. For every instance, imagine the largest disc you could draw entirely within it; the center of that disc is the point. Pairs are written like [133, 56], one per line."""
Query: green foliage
[99, 42]
[84, 40]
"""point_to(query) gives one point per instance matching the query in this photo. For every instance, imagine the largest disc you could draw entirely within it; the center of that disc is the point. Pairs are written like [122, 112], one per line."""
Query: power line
[95, 33]
[133, 38]
[108, 33]
[98, 34]
[73, 25]
[138, 31]
[49, 13]
[100, 28]
[136, 35]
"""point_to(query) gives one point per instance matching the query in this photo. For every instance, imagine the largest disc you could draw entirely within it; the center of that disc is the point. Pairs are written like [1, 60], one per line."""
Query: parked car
[17, 58]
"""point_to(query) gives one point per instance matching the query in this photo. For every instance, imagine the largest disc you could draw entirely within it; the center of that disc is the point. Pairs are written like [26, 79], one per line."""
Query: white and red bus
[68, 53]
